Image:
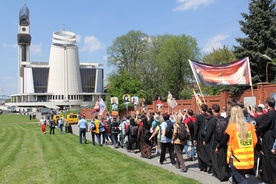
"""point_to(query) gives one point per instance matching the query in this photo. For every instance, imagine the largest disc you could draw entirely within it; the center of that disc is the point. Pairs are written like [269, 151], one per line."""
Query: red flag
[235, 73]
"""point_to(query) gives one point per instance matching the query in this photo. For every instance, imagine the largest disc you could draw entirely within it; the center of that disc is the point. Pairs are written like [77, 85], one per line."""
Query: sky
[97, 23]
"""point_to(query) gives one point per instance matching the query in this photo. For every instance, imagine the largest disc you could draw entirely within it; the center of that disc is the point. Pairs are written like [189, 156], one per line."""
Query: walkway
[192, 166]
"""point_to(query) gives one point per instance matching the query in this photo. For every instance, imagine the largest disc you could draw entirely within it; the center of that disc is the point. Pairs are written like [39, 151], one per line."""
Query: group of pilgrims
[245, 145]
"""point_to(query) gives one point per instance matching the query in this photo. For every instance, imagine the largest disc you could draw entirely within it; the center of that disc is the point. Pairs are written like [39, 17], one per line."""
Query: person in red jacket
[189, 147]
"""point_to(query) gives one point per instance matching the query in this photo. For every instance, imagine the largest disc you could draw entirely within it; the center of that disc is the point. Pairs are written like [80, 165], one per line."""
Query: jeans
[238, 176]
[82, 134]
[189, 149]
[93, 138]
[60, 128]
[114, 138]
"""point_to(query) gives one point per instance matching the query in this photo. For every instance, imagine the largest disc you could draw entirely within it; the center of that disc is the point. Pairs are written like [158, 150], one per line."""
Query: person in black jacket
[114, 130]
[200, 125]
[52, 126]
[267, 131]
[220, 168]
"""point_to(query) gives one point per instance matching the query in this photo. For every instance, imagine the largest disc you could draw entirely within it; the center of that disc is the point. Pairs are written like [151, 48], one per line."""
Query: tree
[128, 51]
[260, 28]
[173, 57]
[120, 84]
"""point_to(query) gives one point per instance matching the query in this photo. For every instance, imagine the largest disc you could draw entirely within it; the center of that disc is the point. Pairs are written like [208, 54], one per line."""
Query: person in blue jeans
[60, 124]
[83, 125]
[189, 147]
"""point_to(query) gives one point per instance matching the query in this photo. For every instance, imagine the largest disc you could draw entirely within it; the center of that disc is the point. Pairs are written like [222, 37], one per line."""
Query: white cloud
[92, 44]
[191, 4]
[36, 49]
[215, 43]
[8, 78]
[5, 45]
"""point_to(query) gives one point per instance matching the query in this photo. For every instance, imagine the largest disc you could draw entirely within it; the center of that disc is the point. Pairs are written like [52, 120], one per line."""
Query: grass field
[28, 156]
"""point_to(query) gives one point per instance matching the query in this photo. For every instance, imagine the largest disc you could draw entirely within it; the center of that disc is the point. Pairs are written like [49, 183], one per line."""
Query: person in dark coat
[267, 131]
[132, 132]
[220, 168]
[203, 152]
[143, 137]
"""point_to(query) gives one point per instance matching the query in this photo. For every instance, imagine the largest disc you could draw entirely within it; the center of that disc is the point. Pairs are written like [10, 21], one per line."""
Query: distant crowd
[227, 142]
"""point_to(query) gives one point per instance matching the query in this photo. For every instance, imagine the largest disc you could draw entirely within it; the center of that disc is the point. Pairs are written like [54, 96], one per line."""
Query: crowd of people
[227, 142]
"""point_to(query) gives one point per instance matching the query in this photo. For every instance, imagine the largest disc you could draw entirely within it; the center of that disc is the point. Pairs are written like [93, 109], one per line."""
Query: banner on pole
[236, 73]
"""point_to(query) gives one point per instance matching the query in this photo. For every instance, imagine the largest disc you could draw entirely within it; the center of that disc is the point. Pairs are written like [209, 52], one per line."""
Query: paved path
[192, 166]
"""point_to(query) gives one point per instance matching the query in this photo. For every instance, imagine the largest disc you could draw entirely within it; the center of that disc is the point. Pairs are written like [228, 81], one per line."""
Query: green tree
[128, 52]
[259, 26]
[174, 58]
[120, 84]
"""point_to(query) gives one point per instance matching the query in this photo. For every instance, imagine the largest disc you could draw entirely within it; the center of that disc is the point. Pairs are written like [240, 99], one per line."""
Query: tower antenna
[63, 27]
[25, 2]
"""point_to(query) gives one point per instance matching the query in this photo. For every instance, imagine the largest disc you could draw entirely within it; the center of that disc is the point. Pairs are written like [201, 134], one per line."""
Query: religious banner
[171, 101]
[236, 73]
[102, 106]
[126, 100]
[114, 103]
[135, 101]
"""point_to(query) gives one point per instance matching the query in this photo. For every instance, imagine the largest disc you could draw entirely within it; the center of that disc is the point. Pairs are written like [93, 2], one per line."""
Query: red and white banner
[236, 73]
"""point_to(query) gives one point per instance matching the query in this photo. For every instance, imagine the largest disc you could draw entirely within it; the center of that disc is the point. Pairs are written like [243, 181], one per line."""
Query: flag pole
[197, 81]
[250, 79]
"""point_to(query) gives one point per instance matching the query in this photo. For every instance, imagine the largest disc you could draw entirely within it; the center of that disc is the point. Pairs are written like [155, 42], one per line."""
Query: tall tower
[64, 73]
[24, 42]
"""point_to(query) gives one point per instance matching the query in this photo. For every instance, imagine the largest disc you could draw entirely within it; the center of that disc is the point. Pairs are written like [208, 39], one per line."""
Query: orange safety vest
[241, 152]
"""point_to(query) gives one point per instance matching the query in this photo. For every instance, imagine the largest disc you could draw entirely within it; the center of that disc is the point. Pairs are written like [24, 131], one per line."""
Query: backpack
[115, 127]
[92, 126]
[169, 129]
[133, 130]
[146, 134]
[220, 128]
[183, 133]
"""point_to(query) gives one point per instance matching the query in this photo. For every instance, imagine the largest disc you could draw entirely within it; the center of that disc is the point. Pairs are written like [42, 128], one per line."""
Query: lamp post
[266, 67]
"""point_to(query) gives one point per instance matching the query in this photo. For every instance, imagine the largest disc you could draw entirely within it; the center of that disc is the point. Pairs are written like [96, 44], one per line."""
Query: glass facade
[88, 78]
[40, 76]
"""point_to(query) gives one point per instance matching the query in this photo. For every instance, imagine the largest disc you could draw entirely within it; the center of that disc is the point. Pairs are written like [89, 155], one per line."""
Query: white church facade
[62, 81]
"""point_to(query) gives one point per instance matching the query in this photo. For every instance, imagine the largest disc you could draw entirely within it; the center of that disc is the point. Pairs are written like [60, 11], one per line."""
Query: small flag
[198, 101]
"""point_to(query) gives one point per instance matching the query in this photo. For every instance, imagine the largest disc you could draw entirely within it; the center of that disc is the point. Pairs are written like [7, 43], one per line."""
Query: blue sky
[97, 23]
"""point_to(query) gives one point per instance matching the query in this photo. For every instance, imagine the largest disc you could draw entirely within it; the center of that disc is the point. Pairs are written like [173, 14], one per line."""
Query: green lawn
[27, 156]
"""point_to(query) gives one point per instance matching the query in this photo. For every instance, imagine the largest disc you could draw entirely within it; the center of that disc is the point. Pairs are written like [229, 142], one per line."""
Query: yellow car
[72, 118]
[56, 117]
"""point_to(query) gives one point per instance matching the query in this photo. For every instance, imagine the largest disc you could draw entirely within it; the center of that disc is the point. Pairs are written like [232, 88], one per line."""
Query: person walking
[42, 123]
[83, 125]
[96, 131]
[267, 131]
[60, 124]
[178, 144]
[241, 138]
[114, 128]
[52, 126]
[200, 127]
[166, 141]
[214, 134]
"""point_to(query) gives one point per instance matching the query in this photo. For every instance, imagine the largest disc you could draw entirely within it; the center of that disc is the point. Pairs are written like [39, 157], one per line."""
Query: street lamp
[267, 63]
